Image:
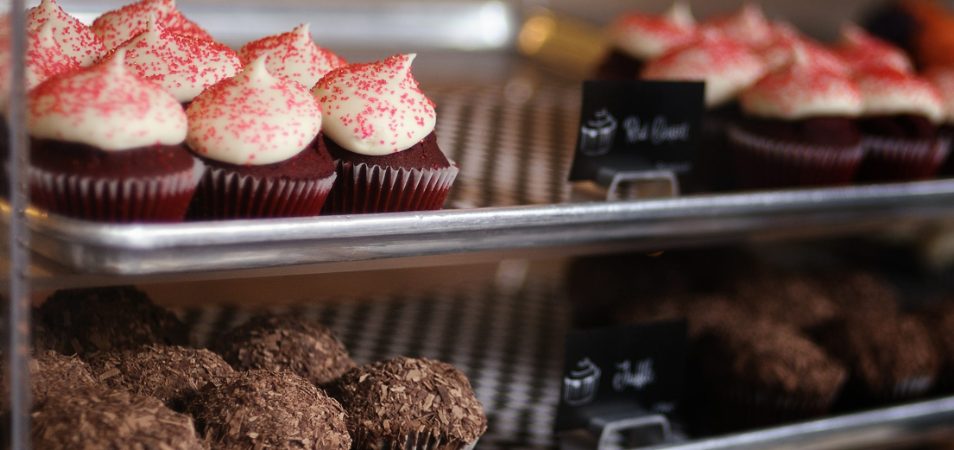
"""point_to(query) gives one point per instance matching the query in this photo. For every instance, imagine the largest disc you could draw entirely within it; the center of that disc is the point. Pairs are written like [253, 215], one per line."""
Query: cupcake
[286, 343]
[890, 356]
[862, 51]
[106, 146]
[799, 127]
[74, 38]
[787, 44]
[171, 374]
[83, 321]
[759, 373]
[379, 128]
[899, 125]
[411, 404]
[293, 55]
[118, 26]
[182, 65]
[261, 409]
[943, 80]
[638, 37]
[748, 26]
[100, 418]
[257, 134]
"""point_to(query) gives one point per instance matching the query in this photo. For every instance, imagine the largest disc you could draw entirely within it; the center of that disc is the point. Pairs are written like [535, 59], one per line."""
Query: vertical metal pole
[19, 320]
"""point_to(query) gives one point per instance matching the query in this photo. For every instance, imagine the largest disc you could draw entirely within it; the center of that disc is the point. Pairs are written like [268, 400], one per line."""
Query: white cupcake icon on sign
[581, 385]
[598, 133]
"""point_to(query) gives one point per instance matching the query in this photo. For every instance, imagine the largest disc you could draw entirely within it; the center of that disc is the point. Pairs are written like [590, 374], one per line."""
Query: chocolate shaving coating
[52, 374]
[286, 343]
[939, 321]
[771, 358]
[99, 418]
[82, 321]
[882, 349]
[797, 300]
[860, 290]
[168, 373]
[264, 409]
[393, 401]
[701, 313]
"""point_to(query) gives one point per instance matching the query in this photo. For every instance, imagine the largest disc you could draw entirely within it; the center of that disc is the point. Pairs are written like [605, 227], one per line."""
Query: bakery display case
[518, 259]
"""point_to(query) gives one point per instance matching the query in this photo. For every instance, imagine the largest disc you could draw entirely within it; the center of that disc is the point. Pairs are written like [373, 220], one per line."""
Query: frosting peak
[253, 118]
[861, 50]
[45, 57]
[375, 108]
[118, 26]
[748, 26]
[183, 65]
[107, 107]
[645, 36]
[293, 55]
[75, 38]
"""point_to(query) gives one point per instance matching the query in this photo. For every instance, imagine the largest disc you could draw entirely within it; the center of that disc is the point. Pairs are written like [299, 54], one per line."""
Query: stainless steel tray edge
[202, 246]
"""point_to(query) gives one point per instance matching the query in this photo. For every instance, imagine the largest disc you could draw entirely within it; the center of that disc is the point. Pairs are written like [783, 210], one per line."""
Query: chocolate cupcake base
[898, 159]
[763, 162]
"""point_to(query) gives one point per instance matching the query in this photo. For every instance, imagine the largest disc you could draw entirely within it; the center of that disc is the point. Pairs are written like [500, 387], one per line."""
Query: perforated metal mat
[506, 336]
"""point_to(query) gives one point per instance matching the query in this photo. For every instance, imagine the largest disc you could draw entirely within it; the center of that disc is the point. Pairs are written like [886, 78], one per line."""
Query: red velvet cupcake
[862, 51]
[183, 65]
[788, 43]
[379, 127]
[118, 26]
[106, 146]
[799, 128]
[293, 55]
[257, 134]
[638, 37]
[900, 126]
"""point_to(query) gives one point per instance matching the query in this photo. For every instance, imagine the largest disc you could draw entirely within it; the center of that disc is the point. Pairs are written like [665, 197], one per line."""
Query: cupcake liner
[162, 198]
[363, 188]
[417, 441]
[227, 194]
[764, 162]
[890, 159]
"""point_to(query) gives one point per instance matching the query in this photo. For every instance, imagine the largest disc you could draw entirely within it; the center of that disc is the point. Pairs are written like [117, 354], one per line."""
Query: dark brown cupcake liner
[421, 441]
[762, 162]
[363, 188]
[892, 159]
[227, 194]
[117, 200]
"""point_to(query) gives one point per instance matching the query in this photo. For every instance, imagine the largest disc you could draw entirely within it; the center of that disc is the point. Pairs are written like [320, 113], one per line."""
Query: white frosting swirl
[861, 50]
[107, 107]
[182, 65]
[943, 80]
[803, 90]
[74, 37]
[253, 118]
[748, 26]
[293, 55]
[375, 108]
[118, 26]
[890, 92]
[645, 37]
[727, 67]
[45, 57]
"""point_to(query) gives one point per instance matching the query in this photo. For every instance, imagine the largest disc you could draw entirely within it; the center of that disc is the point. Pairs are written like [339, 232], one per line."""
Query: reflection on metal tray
[513, 144]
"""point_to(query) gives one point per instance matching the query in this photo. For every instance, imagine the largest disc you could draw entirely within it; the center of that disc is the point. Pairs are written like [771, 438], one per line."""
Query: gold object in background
[571, 46]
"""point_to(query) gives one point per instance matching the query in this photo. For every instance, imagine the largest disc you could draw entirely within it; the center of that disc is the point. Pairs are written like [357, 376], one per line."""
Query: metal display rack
[513, 141]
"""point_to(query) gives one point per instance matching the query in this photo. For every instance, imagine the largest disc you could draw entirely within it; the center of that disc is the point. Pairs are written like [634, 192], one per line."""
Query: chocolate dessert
[100, 418]
[286, 343]
[410, 404]
[861, 290]
[171, 374]
[794, 299]
[263, 409]
[890, 356]
[82, 321]
[939, 321]
[51, 374]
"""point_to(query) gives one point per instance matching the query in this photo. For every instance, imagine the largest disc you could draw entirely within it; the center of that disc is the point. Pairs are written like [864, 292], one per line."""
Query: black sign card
[638, 367]
[635, 125]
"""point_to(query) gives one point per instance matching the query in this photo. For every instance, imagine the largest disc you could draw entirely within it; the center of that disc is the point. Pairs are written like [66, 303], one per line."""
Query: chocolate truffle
[171, 374]
[939, 321]
[760, 372]
[50, 374]
[890, 355]
[701, 313]
[100, 418]
[264, 409]
[797, 300]
[861, 290]
[86, 320]
[286, 343]
[410, 403]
